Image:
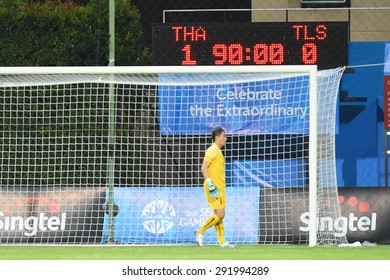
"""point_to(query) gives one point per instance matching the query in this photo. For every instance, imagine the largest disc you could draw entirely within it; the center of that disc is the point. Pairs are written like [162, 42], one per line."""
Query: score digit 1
[187, 56]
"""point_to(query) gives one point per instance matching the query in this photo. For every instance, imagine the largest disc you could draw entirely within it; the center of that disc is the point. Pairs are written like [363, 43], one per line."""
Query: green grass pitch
[240, 252]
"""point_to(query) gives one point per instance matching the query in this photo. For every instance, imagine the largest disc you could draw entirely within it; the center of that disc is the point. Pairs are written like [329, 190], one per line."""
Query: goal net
[93, 155]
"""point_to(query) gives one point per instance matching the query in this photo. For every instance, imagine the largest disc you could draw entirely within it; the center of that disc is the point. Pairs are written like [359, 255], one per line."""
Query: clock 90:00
[235, 54]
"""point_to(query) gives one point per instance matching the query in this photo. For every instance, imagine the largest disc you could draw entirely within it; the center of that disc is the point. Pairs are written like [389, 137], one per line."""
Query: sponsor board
[364, 215]
[52, 215]
[173, 214]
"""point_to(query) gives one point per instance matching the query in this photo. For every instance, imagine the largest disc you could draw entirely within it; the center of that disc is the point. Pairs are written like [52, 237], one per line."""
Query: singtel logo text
[340, 225]
[32, 224]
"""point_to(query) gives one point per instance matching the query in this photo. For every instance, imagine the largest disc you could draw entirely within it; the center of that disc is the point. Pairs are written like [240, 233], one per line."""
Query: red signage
[386, 100]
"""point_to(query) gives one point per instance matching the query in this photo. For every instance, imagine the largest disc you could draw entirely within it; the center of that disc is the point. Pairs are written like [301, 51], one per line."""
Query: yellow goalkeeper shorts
[215, 203]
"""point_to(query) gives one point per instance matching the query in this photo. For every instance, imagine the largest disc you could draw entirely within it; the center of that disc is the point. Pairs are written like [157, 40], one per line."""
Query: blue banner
[153, 215]
[270, 173]
[277, 106]
[387, 59]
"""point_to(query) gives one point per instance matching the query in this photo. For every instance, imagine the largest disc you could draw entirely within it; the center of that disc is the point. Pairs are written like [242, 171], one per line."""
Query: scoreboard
[323, 44]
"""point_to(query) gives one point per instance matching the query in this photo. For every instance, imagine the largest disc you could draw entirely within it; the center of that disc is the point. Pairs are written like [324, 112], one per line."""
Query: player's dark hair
[216, 132]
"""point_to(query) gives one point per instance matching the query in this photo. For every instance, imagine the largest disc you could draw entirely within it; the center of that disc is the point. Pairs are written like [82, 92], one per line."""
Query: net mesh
[65, 144]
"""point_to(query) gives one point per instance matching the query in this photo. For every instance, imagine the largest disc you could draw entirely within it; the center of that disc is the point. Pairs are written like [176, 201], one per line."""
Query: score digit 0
[309, 53]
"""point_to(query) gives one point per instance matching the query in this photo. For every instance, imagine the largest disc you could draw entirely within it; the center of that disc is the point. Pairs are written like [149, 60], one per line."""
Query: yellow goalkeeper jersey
[217, 167]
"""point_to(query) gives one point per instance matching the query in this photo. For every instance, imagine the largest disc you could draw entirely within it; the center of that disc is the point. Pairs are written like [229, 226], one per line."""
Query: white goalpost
[94, 155]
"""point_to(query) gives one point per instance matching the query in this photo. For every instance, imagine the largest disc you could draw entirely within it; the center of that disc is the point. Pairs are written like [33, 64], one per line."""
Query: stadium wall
[359, 143]
[366, 17]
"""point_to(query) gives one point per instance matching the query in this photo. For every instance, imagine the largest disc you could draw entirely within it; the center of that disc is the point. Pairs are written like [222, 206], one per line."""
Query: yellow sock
[220, 230]
[211, 221]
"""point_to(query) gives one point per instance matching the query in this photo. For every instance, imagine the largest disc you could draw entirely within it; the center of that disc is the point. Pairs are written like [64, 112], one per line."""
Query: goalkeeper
[213, 170]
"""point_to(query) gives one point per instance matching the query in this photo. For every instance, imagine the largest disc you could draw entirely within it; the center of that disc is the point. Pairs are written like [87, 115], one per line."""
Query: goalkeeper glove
[213, 190]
